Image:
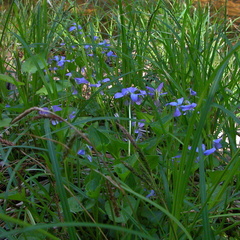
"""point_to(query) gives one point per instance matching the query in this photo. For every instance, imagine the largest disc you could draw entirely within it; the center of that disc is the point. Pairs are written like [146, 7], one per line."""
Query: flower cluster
[82, 152]
[216, 145]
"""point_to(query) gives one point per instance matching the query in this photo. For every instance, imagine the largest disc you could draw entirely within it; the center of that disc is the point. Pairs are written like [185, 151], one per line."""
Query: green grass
[79, 158]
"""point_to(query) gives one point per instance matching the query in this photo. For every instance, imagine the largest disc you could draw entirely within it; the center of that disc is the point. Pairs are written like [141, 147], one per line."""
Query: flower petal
[217, 143]
[81, 80]
[118, 95]
[177, 113]
[209, 151]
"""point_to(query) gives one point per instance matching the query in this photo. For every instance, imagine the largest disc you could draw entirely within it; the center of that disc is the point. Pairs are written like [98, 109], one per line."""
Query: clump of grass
[120, 124]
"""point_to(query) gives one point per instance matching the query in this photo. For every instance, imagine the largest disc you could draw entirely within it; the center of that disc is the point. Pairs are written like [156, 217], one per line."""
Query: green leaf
[13, 195]
[5, 122]
[10, 79]
[153, 161]
[74, 205]
[93, 188]
[32, 64]
[99, 140]
[128, 204]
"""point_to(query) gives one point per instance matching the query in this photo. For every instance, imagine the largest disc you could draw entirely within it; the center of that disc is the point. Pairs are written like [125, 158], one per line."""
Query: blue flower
[56, 108]
[205, 152]
[140, 129]
[151, 194]
[193, 93]
[74, 27]
[156, 91]
[135, 94]
[179, 106]
[111, 54]
[69, 74]
[44, 112]
[98, 84]
[217, 143]
[188, 107]
[81, 152]
[81, 80]
[72, 115]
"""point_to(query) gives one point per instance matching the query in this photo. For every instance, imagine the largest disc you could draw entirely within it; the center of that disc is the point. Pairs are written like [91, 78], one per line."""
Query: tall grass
[118, 122]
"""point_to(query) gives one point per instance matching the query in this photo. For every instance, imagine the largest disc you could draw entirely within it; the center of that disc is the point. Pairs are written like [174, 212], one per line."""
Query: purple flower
[140, 129]
[60, 60]
[179, 106]
[217, 144]
[87, 46]
[106, 80]
[56, 108]
[72, 115]
[81, 80]
[44, 112]
[81, 152]
[209, 151]
[74, 92]
[205, 152]
[54, 122]
[151, 194]
[135, 94]
[111, 54]
[75, 26]
[193, 93]
[69, 74]
[178, 103]
[98, 84]
[188, 107]
[156, 91]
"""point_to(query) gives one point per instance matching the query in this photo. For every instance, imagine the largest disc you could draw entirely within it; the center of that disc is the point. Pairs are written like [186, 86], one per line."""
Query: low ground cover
[121, 124]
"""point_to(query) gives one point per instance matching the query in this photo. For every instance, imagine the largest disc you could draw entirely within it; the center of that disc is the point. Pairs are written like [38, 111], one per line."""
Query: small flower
[98, 84]
[81, 152]
[179, 106]
[111, 54]
[106, 80]
[56, 108]
[44, 112]
[193, 93]
[140, 129]
[74, 27]
[157, 91]
[135, 94]
[54, 122]
[69, 74]
[81, 80]
[72, 115]
[188, 107]
[151, 194]
[74, 92]
[205, 152]
[217, 143]
[178, 103]
[209, 151]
